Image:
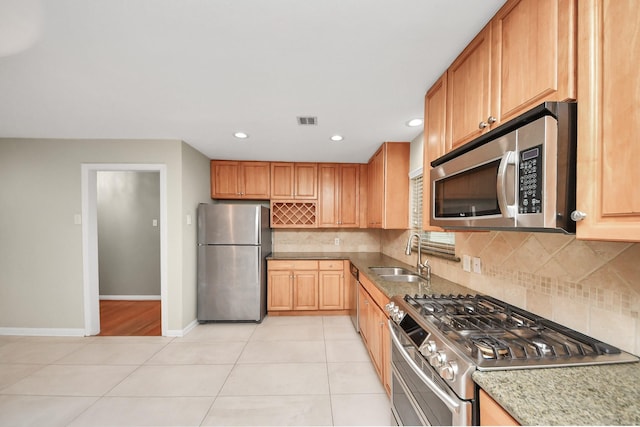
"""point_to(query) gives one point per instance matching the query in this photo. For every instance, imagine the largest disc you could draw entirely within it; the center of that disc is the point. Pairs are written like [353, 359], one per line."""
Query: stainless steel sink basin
[391, 271]
[409, 278]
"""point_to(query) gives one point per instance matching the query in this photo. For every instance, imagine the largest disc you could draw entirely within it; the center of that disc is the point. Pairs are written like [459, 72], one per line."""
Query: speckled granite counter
[590, 395]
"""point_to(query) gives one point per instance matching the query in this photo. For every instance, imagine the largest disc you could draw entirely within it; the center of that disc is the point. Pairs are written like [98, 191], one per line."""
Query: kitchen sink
[410, 278]
[391, 271]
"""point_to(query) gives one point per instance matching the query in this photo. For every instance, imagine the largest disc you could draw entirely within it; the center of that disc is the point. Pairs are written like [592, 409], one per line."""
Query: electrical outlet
[466, 263]
[336, 241]
[476, 265]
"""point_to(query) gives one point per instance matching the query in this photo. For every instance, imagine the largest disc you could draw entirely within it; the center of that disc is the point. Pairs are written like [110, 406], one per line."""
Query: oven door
[418, 395]
[477, 188]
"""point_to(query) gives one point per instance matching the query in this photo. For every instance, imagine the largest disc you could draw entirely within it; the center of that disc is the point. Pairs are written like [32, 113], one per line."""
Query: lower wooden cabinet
[305, 285]
[292, 285]
[331, 286]
[373, 329]
[492, 414]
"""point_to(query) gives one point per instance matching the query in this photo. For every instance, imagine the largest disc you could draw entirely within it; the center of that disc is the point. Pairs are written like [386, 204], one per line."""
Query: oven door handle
[508, 211]
[448, 400]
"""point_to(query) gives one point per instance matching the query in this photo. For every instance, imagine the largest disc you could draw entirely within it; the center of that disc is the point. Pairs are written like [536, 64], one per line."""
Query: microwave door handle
[508, 158]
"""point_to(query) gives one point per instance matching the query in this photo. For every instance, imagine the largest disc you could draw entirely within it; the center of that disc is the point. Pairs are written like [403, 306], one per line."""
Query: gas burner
[490, 347]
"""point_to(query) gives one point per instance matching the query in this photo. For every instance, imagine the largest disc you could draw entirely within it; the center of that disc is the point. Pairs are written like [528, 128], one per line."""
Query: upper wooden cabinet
[469, 91]
[338, 199]
[388, 187]
[294, 181]
[534, 55]
[239, 180]
[435, 103]
[524, 56]
[609, 120]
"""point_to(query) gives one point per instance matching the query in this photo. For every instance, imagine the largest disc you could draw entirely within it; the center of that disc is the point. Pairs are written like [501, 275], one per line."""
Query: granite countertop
[587, 395]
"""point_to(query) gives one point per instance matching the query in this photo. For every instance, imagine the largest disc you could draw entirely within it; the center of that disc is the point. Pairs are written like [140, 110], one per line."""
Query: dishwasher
[354, 284]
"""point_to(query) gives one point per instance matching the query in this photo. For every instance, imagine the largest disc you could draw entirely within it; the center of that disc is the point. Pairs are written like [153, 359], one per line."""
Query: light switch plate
[466, 263]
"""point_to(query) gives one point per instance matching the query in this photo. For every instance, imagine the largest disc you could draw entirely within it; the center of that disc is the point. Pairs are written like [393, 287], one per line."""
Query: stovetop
[497, 335]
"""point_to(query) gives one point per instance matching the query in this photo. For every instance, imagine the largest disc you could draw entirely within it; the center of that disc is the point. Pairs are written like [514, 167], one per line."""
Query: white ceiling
[200, 70]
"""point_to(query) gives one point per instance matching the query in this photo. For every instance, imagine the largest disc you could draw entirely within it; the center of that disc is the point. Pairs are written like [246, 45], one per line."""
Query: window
[433, 242]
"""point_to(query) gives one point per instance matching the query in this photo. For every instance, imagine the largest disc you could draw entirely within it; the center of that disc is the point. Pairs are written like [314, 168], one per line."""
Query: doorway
[92, 174]
[128, 204]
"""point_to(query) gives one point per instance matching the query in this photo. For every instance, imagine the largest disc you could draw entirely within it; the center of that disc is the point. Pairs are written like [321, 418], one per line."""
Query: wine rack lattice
[294, 214]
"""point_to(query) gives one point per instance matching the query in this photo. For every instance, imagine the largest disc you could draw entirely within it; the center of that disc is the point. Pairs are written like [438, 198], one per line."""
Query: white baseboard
[130, 297]
[182, 332]
[43, 332]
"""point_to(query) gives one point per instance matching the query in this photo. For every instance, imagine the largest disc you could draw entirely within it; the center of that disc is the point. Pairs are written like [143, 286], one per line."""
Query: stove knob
[398, 315]
[428, 348]
[448, 371]
[389, 307]
[438, 359]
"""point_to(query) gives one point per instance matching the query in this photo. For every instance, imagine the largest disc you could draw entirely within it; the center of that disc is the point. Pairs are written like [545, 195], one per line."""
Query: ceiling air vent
[307, 121]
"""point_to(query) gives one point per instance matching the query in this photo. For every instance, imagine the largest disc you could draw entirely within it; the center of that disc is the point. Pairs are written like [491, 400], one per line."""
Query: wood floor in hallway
[130, 318]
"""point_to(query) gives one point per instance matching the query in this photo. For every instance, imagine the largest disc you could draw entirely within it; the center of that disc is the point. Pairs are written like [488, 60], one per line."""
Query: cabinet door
[328, 184]
[280, 290]
[224, 180]
[609, 120]
[533, 55]
[469, 95]
[331, 292]
[435, 103]
[305, 185]
[254, 177]
[363, 313]
[376, 327]
[348, 195]
[305, 290]
[281, 180]
[386, 356]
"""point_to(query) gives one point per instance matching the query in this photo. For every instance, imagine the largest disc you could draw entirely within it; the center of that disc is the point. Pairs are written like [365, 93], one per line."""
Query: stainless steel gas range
[439, 341]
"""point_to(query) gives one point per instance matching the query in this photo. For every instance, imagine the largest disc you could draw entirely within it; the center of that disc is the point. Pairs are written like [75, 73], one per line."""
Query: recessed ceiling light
[337, 138]
[241, 135]
[414, 122]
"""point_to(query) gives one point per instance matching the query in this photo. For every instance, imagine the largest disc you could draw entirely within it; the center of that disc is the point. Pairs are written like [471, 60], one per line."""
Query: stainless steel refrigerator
[233, 243]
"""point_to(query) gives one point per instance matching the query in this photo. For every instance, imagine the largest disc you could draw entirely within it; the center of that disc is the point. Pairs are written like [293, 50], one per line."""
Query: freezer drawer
[225, 224]
[231, 283]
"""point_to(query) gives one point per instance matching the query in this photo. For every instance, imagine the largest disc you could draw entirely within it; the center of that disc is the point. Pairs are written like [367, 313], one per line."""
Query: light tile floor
[308, 370]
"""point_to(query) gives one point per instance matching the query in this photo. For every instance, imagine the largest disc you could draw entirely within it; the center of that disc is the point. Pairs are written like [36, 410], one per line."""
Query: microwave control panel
[530, 180]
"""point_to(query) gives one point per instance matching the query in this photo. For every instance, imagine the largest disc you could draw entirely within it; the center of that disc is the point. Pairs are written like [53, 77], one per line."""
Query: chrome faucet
[423, 268]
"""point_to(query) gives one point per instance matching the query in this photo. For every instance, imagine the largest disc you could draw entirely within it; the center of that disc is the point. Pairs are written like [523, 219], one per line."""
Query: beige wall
[195, 190]
[41, 285]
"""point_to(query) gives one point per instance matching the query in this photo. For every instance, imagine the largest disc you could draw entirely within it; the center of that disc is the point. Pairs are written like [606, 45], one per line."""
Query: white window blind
[434, 243]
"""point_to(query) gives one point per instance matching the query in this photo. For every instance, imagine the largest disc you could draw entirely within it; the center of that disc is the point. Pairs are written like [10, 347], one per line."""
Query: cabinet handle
[578, 215]
[490, 120]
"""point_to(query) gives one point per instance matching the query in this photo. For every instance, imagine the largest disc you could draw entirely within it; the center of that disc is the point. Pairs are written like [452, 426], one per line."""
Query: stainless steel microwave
[519, 176]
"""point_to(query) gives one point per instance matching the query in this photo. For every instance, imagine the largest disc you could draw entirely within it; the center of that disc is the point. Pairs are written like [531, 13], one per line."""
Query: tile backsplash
[314, 240]
[590, 286]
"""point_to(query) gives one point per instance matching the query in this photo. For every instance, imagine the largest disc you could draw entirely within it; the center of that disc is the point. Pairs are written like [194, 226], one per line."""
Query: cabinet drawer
[292, 265]
[334, 264]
